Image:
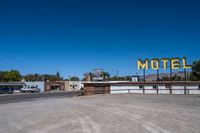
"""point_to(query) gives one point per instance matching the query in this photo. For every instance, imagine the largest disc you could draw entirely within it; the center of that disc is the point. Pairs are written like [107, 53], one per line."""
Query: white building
[37, 85]
[156, 87]
[75, 85]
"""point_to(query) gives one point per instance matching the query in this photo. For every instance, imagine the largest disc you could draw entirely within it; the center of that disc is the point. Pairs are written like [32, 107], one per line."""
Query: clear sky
[76, 36]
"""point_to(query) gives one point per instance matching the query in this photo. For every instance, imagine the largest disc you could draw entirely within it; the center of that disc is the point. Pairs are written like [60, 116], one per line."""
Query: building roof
[146, 83]
[11, 83]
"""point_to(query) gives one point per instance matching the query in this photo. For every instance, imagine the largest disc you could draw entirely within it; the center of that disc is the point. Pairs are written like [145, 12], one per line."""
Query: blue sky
[74, 37]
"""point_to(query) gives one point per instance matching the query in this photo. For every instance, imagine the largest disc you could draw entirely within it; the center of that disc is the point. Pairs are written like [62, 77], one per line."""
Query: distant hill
[153, 77]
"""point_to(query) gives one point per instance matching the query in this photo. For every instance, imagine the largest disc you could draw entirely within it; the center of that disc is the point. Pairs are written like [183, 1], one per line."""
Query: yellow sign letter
[155, 64]
[165, 61]
[143, 65]
[175, 63]
[185, 66]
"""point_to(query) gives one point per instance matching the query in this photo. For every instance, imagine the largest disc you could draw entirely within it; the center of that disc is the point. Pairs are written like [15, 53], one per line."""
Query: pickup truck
[30, 90]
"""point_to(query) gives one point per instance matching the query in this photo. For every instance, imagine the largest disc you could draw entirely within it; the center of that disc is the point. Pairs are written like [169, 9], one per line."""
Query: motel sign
[172, 63]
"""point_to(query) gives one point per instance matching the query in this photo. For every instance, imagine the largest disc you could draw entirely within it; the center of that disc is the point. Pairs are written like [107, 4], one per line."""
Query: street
[11, 98]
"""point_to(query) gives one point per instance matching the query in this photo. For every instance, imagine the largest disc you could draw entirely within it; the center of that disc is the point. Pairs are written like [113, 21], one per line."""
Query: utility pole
[117, 73]
[43, 78]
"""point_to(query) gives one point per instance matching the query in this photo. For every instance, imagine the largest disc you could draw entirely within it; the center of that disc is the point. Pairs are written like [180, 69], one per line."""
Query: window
[140, 86]
[167, 86]
[154, 86]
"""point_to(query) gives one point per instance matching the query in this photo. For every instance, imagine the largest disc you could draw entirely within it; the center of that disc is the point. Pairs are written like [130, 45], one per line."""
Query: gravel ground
[124, 113]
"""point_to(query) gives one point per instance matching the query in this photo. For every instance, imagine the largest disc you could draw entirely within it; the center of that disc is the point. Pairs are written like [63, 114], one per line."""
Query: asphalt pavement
[13, 98]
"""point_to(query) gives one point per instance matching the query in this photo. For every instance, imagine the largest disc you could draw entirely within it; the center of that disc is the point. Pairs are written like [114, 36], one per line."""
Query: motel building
[145, 87]
[189, 87]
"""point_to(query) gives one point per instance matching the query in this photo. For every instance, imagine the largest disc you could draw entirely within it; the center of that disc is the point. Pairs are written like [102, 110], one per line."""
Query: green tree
[174, 78]
[192, 77]
[11, 76]
[105, 75]
[128, 78]
[179, 78]
[74, 78]
[58, 75]
[114, 78]
[196, 70]
[1, 75]
[165, 78]
[30, 77]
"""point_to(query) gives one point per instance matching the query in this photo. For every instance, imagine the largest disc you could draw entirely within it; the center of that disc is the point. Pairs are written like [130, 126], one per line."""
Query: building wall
[11, 86]
[160, 89]
[65, 85]
[39, 85]
[90, 89]
[123, 89]
[75, 85]
[72, 85]
[150, 90]
[49, 85]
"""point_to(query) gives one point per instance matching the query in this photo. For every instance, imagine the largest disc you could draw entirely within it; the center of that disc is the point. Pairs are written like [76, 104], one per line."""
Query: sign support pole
[158, 75]
[185, 73]
[144, 76]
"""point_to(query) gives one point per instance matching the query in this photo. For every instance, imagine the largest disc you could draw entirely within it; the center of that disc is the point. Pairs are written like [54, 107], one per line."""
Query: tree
[11, 76]
[58, 75]
[74, 78]
[174, 78]
[196, 70]
[129, 78]
[1, 75]
[179, 78]
[165, 78]
[192, 77]
[114, 78]
[30, 77]
[105, 75]
[52, 78]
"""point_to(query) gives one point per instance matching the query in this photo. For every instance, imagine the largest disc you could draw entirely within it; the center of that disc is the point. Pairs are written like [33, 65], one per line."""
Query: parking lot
[119, 113]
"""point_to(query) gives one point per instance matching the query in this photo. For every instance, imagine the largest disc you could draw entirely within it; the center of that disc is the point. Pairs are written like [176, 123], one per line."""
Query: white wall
[193, 87]
[149, 89]
[75, 85]
[194, 91]
[178, 87]
[123, 89]
[39, 84]
[116, 89]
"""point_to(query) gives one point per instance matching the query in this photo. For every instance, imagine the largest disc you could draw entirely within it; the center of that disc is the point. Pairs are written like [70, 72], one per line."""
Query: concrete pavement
[125, 113]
